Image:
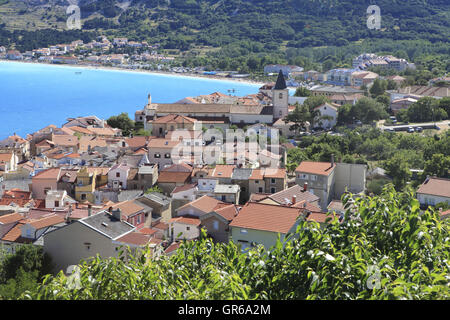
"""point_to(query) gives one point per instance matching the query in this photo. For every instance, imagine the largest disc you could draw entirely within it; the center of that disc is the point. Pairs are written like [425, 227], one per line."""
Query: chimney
[305, 186]
[332, 160]
[89, 210]
[69, 213]
[294, 199]
[117, 213]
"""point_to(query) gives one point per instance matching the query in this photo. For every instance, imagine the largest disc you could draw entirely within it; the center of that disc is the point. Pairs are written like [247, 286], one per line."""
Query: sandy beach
[154, 72]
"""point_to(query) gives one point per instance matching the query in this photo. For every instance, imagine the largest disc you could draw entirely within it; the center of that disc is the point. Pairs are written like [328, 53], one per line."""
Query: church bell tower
[280, 98]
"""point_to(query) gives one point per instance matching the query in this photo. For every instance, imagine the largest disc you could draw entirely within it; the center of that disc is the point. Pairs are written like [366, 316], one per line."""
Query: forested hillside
[276, 30]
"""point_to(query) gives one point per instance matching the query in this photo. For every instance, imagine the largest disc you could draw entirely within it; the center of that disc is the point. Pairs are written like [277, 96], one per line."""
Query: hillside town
[126, 54]
[216, 163]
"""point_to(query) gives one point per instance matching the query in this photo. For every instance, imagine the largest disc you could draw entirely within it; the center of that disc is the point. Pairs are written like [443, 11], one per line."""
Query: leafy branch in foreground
[385, 248]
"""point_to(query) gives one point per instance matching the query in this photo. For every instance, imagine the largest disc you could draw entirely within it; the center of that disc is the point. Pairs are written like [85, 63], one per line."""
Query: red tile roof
[10, 218]
[185, 220]
[162, 143]
[5, 157]
[135, 238]
[14, 234]
[52, 173]
[17, 193]
[79, 129]
[204, 203]
[174, 246]
[173, 177]
[184, 188]
[128, 208]
[65, 140]
[228, 212]
[161, 226]
[147, 231]
[436, 187]
[47, 221]
[137, 142]
[178, 167]
[257, 197]
[319, 168]
[320, 217]
[174, 118]
[257, 174]
[223, 171]
[19, 202]
[266, 217]
[275, 173]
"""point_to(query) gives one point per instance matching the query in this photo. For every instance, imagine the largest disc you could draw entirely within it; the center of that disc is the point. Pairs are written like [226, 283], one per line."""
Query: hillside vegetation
[262, 31]
[385, 249]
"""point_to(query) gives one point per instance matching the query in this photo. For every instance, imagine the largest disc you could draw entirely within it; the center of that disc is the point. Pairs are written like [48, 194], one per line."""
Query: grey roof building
[107, 224]
[226, 188]
[241, 173]
[286, 196]
[84, 239]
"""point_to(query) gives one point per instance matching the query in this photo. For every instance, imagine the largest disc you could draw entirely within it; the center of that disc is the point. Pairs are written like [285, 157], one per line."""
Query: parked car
[393, 119]
[410, 129]
[419, 129]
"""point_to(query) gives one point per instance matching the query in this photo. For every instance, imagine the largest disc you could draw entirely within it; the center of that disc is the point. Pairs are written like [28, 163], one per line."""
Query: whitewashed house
[118, 175]
[328, 116]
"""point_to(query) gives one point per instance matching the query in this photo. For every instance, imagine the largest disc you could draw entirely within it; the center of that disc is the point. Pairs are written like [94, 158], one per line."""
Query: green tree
[368, 110]
[391, 85]
[426, 109]
[345, 115]
[398, 169]
[302, 92]
[402, 115]
[438, 165]
[444, 104]
[300, 117]
[315, 101]
[123, 122]
[22, 270]
[22, 282]
[378, 88]
[142, 132]
[294, 157]
[27, 257]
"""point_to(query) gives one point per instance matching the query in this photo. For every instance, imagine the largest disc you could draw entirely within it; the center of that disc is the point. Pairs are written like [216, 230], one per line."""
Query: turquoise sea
[33, 96]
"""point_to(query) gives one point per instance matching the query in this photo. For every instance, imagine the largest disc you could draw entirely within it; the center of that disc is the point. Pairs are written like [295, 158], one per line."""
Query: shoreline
[150, 72]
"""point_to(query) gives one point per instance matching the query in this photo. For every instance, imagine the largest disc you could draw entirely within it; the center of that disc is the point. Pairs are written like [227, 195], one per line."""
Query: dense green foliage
[123, 122]
[245, 35]
[370, 145]
[426, 109]
[385, 248]
[29, 40]
[366, 110]
[22, 270]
